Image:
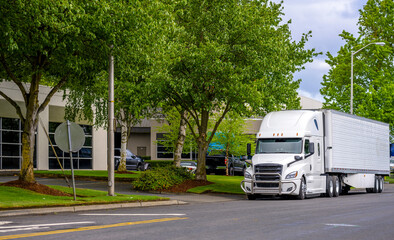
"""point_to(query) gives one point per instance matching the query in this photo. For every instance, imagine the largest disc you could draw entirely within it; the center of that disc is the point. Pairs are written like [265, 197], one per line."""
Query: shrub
[161, 178]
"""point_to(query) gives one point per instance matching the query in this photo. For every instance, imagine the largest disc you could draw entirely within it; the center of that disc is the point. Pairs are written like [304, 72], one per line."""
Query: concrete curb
[54, 210]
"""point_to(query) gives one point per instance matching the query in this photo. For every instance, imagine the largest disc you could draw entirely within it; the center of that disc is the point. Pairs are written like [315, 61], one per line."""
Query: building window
[81, 159]
[11, 144]
[163, 151]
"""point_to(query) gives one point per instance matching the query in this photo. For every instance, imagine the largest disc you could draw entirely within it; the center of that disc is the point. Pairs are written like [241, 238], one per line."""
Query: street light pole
[351, 74]
[110, 131]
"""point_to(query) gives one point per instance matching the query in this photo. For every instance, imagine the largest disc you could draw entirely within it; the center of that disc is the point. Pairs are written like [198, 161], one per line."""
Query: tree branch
[226, 110]
[52, 92]
[14, 78]
[14, 104]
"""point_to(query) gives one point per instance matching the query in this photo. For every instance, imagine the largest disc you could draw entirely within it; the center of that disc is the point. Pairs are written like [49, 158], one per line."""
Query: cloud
[326, 19]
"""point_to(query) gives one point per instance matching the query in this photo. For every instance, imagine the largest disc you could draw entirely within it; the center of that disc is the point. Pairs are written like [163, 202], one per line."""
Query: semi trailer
[305, 153]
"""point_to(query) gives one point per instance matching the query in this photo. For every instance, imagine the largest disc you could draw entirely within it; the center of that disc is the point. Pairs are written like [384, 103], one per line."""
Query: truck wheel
[329, 187]
[337, 186]
[381, 184]
[302, 194]
[377, 183]
[251, 196]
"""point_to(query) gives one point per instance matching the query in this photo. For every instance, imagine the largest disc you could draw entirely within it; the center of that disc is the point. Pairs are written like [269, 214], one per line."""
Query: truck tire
[337, 186]
[377, 184]
[302, 193]
[381, 184]
[329, 187]
[251, 196]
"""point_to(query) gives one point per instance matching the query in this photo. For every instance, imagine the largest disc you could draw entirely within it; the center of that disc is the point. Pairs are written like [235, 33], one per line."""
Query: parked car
[392, 164]
[217, 164]
[190, 166]
[133, 162]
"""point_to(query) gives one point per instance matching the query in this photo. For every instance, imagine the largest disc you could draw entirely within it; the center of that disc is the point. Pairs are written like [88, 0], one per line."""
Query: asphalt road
[354, 216]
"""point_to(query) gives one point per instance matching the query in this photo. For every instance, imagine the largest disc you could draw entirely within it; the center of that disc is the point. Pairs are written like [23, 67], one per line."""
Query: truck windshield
[279, 145]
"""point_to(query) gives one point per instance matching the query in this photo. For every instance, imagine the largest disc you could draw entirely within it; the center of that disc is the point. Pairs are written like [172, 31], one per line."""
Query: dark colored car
[217, 164]
[133, 162]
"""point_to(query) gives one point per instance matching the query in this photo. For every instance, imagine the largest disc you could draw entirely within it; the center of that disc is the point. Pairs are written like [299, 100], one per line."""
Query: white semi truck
[306, 153]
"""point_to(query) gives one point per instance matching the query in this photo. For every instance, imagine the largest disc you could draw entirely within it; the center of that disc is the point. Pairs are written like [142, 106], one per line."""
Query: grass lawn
[90, 173]
[13, 197]
[222, 184]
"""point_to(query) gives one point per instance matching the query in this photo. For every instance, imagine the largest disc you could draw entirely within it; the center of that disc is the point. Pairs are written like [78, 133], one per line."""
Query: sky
[326, 19]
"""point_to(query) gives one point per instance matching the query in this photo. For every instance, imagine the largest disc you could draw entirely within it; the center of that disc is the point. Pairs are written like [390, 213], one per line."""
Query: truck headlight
[292, 175]
[247, 175]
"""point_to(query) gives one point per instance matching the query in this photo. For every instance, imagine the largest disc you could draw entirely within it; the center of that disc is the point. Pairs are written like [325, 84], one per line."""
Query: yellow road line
[88, 228]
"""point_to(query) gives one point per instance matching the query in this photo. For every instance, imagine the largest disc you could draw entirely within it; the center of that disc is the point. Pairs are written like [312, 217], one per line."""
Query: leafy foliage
[226, 56]
[373, 67]
[231, 135]
[58, 43]
[161, 178]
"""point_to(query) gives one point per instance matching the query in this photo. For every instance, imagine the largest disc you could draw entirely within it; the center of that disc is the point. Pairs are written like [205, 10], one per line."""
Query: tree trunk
[201, 169]
[181, 139]
[202, 143]
[28, 141]
[123, 148]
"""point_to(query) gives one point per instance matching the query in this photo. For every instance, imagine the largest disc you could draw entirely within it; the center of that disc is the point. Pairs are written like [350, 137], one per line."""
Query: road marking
[89, 228]
[132, 214]
[341, 225]
[46, 225]
[22, 229]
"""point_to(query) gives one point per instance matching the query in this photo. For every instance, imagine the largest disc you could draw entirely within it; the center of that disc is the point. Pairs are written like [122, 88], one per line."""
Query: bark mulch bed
[36, 187]
[186, 185]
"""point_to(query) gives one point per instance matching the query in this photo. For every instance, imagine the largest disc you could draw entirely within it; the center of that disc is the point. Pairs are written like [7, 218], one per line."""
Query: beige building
[144, 140]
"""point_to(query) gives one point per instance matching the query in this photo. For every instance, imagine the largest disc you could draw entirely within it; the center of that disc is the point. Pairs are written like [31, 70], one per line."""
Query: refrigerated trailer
[306, 153]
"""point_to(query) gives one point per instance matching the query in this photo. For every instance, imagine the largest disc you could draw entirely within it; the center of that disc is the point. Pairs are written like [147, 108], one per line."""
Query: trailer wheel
[337, 186]
[377, 184]
[381, 184]
[251, 196]
[302, 194]
[329, 187]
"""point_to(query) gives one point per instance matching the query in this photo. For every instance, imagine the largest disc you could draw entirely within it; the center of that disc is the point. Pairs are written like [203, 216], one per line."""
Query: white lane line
[127, 214]
[22, 229]
[45, 225]
[4, 222]
[341, 225]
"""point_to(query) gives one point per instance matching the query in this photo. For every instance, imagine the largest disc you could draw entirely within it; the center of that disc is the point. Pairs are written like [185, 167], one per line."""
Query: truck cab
[288, 158]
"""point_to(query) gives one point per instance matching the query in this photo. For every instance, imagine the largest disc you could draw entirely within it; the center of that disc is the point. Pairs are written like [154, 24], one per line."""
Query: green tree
[373, 67]
[230, 55]
[231, 135]
[177, 135]
[137, 46]
[59, 43]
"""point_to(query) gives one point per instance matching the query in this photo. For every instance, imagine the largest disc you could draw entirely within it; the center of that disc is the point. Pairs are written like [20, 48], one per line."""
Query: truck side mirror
[311, 148]
[248, 149]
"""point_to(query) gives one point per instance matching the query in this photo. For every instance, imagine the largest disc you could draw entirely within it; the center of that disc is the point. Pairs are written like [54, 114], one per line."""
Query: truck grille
[268, 172]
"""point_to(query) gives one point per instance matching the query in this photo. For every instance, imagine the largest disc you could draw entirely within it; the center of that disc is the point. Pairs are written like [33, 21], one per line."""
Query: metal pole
[71, 159]
[110, 132]
[351, 86]
[351, 75]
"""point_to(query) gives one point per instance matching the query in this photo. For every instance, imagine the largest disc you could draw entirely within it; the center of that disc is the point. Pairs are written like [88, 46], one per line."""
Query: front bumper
[264, 187]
